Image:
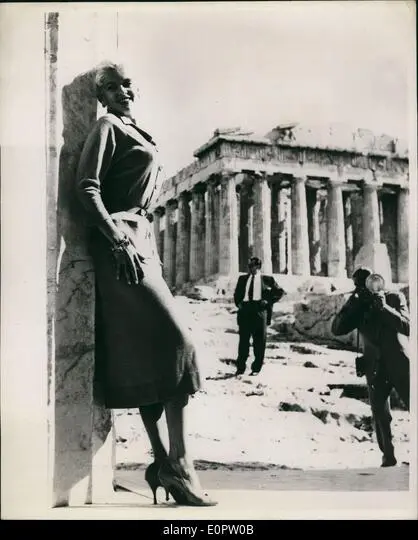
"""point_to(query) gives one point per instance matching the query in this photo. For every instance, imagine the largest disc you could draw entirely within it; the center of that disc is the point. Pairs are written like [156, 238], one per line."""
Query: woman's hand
[128, 264]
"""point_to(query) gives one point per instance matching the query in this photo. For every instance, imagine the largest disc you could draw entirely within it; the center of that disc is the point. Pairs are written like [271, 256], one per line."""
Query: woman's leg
[175, 415]
[174, 411]
[150, 415]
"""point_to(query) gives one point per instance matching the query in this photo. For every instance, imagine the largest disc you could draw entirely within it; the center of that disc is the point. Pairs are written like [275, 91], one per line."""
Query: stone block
[314, 316]
[79, 427]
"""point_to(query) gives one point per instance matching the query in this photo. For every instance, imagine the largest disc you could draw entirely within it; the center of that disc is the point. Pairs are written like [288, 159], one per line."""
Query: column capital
[336, 181]
[225, 175]
[370, 179]
[404, 183]
[299, 179]
[338, 177]
[368, 186]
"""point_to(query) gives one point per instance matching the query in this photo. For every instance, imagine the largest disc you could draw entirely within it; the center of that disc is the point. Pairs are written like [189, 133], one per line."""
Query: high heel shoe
[175, 479]
[153, 480]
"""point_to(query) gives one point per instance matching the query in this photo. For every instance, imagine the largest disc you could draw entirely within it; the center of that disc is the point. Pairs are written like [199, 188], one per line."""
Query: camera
[370, 293]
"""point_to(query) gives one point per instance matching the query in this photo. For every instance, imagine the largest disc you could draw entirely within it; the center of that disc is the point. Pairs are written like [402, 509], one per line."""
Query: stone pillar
[197, 241]
[299, 224]
[403, 235]
[216, 222]
[169, 259]
[313, 206]
[371, 221]
[284, 231]
[336, 232]
[80, 428]
[158, 212]
[262, 222]
[286, 199]
[211, 237]
[349, 237]
[183, 239]
[228, 226]
[278, 228]
[373, 253]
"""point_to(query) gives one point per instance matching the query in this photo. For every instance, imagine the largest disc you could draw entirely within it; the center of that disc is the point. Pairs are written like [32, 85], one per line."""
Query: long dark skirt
[144, 349]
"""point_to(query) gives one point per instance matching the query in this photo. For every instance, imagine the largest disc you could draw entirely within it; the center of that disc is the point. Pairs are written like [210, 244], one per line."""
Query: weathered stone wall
[314, 316]
[75, 43]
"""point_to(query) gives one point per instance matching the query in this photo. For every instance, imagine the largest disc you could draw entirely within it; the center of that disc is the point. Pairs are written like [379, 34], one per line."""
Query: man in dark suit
[382, 319]
[255, 294]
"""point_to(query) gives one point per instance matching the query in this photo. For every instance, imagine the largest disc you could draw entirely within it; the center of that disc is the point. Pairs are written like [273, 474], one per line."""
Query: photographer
[382, 319]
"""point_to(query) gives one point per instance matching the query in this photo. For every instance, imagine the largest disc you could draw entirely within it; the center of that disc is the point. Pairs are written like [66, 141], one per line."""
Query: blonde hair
[101, 72]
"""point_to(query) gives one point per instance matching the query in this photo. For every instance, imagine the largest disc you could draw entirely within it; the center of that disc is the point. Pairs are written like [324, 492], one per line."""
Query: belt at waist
[133, 214]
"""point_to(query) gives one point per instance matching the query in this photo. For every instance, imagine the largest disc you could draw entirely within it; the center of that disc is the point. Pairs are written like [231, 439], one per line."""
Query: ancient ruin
[308, 202]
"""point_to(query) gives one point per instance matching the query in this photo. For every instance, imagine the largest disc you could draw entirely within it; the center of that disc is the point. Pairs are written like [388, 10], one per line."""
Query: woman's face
[117, 93]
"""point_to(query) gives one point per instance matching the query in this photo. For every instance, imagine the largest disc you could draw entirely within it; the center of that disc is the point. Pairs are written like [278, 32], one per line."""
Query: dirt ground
[299, 413]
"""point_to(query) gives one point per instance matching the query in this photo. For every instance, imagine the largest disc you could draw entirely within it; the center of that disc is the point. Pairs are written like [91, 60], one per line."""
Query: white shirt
[257, 287]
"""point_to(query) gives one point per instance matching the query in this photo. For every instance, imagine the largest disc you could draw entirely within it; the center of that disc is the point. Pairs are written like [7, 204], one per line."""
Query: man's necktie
[251, 289]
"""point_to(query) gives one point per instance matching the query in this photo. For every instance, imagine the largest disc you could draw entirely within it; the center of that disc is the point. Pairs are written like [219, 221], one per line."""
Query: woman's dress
[144, 350]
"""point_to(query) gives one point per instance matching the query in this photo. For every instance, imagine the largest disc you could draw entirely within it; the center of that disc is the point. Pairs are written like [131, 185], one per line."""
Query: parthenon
[304, 201]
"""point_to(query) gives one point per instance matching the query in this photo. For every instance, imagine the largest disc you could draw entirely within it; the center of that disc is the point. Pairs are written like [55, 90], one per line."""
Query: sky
[256, 65]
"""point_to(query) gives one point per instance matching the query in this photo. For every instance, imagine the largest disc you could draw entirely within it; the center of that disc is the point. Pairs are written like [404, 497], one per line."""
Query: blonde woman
[145, 356]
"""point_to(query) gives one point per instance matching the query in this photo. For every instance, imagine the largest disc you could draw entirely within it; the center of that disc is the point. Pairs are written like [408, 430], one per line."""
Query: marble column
[349, 237]
[278, 228]
[216, 225]
[262, 222]
[157, 215]
[211, 237]
[313, 206]
[299, 224]
[228, 226]
[197, 241]
[79, 425]
[169, 258]
[183, 239]
[336, 231]
[371, 221]
[403, 235]
[373, 253]
[283, 231]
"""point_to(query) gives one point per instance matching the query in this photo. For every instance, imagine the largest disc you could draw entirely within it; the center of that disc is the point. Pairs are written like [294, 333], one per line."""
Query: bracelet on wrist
[121, 244]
